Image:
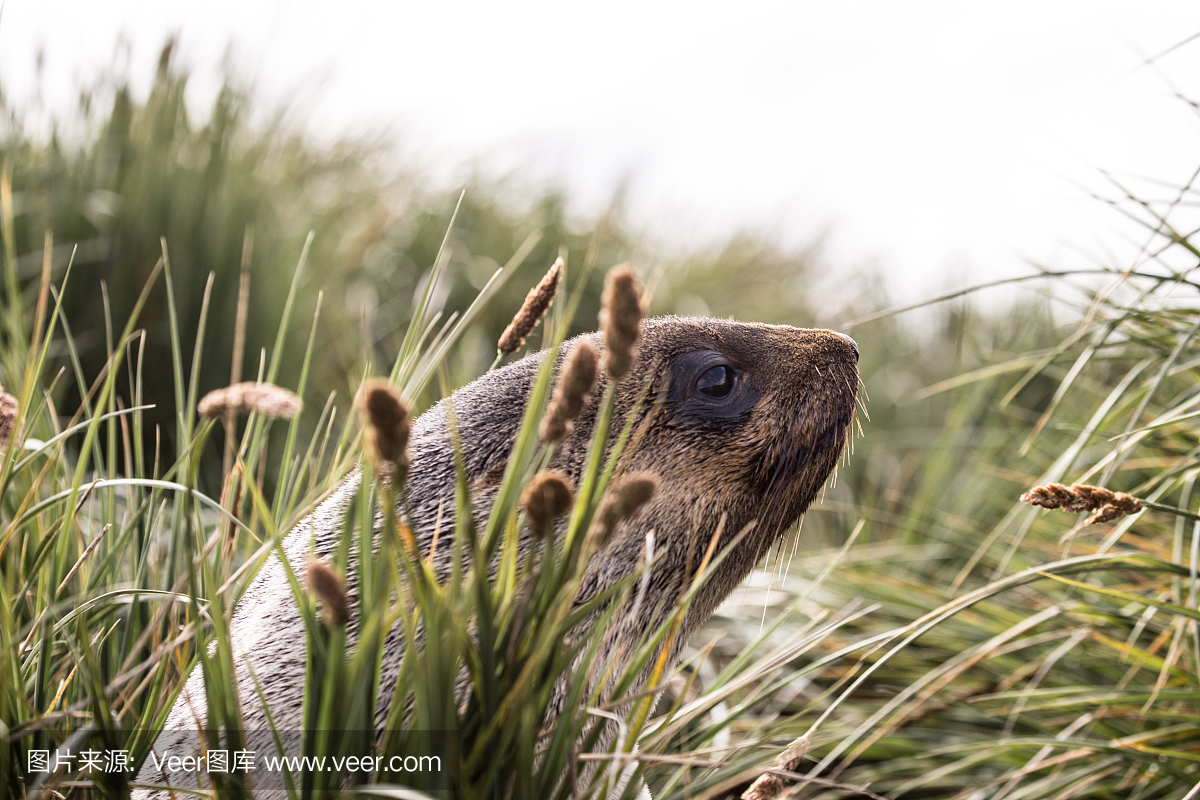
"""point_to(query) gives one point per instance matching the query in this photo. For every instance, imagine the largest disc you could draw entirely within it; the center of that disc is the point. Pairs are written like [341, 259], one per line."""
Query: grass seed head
[571, 392]
[8, 418]
[327, 586]
[768, 786]
[1107, 504]
[243, 398]
[622, 502]
[619, 317]
[532, 310]
[547, 496]
[387, 424]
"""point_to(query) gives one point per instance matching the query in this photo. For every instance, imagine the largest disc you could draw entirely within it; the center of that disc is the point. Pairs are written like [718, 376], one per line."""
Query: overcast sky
[923, 137]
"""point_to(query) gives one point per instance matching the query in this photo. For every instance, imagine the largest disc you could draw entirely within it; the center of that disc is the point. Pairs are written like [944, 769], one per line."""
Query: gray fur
[759, 470]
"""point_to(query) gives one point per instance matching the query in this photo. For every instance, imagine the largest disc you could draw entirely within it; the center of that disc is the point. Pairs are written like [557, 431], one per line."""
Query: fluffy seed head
[622, 502]
[619, 317]
[8, 418]
[546, 497]
[386, 426]
[242, 398]
[571, 392]
[1107, 504]
[768, 786]
[327, 586]
[532, 310]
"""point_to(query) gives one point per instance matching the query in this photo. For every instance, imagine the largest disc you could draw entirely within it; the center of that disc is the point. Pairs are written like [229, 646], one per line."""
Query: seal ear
[709, 385]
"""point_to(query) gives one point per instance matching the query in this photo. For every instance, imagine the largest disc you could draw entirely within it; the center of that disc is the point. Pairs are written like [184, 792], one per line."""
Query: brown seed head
[1122, 505]
[532, 310]
[8, 418]
[327, 586]
[1107, 504]
[386, 426]
[546, 497]
[571, 392]
[622, 502]
[768, 786]
[619, 317]
[242, 398]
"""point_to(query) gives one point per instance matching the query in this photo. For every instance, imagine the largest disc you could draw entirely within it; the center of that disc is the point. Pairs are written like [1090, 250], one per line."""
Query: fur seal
[746, 424]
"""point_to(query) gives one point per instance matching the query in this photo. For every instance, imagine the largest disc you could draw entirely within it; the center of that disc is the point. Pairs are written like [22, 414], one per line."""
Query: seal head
[744, 424]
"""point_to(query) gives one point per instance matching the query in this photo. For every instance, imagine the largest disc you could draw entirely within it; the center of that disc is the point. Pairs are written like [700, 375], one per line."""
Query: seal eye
[717, 381]
[707, 387]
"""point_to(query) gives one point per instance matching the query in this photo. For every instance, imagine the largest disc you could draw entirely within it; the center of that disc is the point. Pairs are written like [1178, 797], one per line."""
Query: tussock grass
[115, 566]
[121, 574]
[926, 635]
[1006, 651]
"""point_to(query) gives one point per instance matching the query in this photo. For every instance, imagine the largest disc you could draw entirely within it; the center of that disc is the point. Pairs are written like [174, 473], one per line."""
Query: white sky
[942, 141]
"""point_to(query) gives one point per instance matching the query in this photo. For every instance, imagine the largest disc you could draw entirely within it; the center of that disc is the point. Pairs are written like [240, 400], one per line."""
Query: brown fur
[754, 474]
[752, 471]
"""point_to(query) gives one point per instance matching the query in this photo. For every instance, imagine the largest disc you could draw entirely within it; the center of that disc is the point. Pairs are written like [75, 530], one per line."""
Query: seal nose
[851, 342]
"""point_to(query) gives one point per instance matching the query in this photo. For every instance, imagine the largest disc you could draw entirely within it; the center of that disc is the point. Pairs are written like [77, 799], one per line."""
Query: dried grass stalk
[619, 317]
[532, 310]
[1107, 504]
[242, 398]
[571, 392]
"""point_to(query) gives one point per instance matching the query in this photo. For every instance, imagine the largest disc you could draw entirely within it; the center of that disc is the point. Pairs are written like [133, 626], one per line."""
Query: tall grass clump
[121, 573]
[234, 187]
[1003, 650]
[926, 634]
[161, 440]
[115, 568]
